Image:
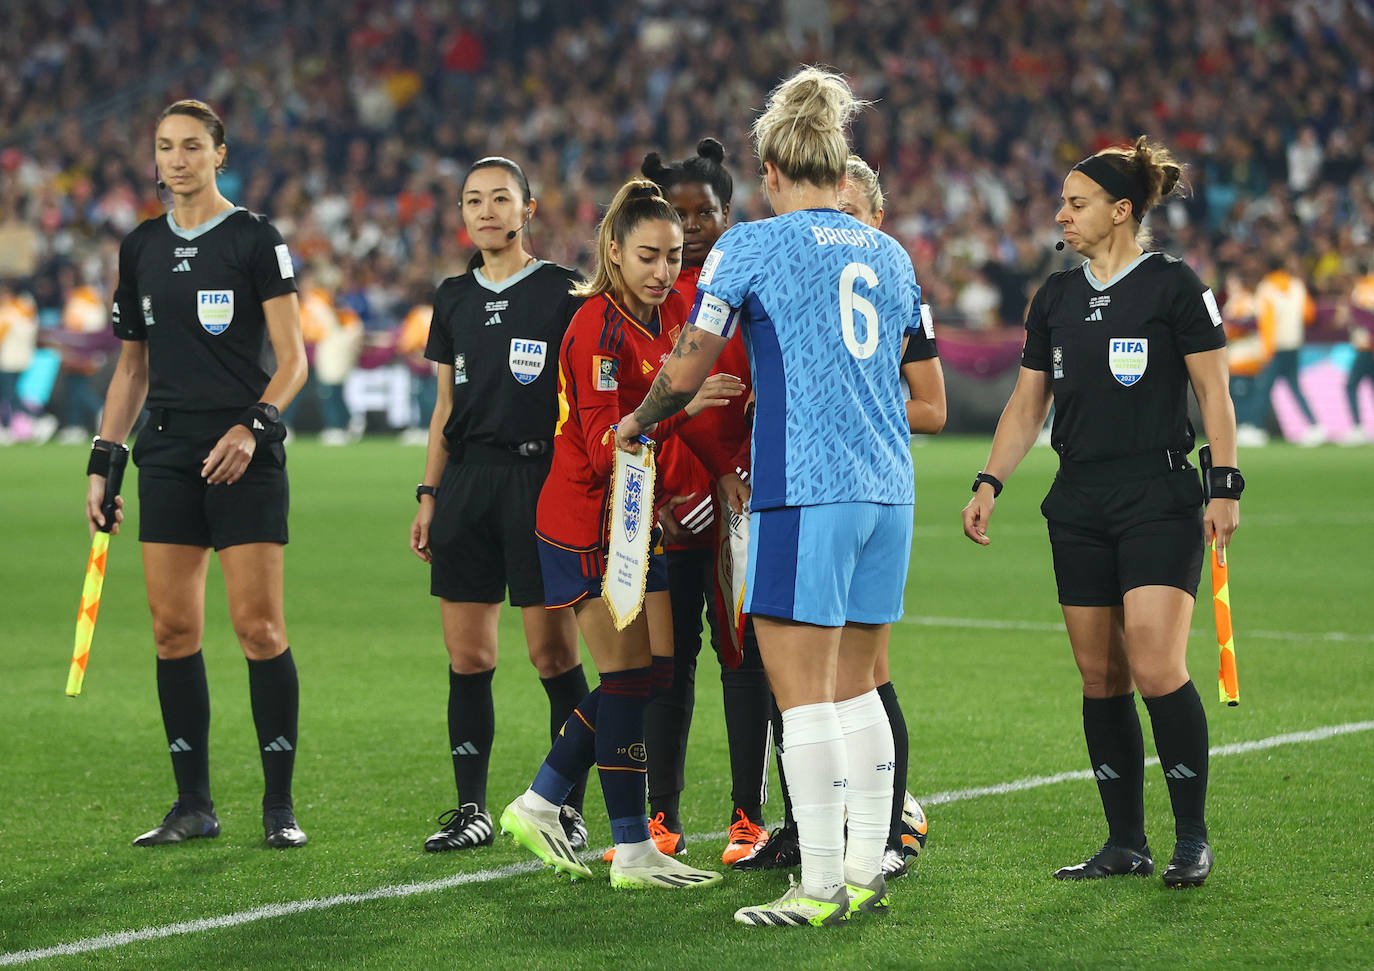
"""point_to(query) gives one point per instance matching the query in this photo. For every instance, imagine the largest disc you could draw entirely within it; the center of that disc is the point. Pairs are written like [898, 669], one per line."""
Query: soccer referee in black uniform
[495, 337]
[1116, 342]
[198, 290]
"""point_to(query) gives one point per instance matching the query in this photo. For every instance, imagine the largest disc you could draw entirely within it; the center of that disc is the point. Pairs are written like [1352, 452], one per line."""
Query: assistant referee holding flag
[1115, 342]
[198, 290]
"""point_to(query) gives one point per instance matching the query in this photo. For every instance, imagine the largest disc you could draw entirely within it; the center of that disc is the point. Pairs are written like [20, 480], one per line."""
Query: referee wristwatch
[426, 490]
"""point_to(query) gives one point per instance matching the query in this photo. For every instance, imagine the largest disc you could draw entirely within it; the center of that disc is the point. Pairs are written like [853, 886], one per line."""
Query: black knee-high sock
[1180, 728]
[667, 722]
[900, 750]
[185, 699]
[1117, 750]
[471, 728]
[747, 702]
[275, 694]
[565, 691]
[620, 758]
[787, 818]
[572, 754]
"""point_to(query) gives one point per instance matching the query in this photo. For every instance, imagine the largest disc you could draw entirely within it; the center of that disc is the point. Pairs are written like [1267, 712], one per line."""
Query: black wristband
[264, 421]
[991, 480]
[99, 462]
[1224, 482]
[426, 490]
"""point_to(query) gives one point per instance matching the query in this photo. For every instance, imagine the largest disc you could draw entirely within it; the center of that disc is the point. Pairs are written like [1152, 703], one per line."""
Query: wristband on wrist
[991, 480]
[264, 421]
[101, 450]
[1224, 482]
[426, 490]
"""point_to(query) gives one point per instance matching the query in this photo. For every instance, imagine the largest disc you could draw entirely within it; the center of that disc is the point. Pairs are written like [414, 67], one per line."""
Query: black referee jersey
[1115, 354]
[502, 340]
[196, 297]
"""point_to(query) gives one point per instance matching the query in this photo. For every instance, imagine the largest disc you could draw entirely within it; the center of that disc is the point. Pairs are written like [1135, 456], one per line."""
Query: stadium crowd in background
[353, 122]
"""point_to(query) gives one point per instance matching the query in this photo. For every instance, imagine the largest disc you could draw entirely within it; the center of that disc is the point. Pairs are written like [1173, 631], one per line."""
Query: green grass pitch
[986, 679]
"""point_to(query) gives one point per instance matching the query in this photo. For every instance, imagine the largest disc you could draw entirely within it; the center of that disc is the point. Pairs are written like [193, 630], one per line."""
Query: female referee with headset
[831, 472]
[495, 336]
[1115, 343]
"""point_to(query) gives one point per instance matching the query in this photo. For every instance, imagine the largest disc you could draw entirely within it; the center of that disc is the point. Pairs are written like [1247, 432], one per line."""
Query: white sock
[814, 756]
[534, 802]
[632, 852]
[868, 796]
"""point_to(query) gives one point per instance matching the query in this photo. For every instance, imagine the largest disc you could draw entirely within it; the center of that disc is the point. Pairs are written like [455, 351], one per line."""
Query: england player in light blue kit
[825, 303]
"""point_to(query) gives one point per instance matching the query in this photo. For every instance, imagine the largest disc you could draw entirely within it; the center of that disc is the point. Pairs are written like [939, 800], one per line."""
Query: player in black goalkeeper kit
[495, 336]
[1115, 343]
[199, 290]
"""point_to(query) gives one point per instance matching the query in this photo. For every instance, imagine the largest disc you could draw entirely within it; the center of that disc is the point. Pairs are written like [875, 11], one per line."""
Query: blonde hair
[638, 201]
[865, 180]
[802, 128]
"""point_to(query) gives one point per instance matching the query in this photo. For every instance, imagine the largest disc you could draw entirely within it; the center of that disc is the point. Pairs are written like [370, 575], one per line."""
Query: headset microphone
[515, 232]
[1059, 246]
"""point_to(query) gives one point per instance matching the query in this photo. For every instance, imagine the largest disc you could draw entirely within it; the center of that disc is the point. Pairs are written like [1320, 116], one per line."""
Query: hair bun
[644, 192]
[653, 167]
[709, 148]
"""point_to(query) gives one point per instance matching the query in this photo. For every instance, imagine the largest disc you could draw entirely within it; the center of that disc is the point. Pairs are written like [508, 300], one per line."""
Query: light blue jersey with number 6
[823, 301]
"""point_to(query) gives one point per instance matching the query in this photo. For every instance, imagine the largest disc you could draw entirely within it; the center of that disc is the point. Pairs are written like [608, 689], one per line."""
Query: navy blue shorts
[572, 575]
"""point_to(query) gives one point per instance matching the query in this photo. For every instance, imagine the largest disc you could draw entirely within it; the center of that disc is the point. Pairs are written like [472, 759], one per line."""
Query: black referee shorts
[1110, 538]
[482, 537]
[177, 506]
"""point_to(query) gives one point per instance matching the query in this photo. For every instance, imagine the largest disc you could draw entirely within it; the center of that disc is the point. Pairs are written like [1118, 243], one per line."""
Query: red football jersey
[606, 365]
[709, 446]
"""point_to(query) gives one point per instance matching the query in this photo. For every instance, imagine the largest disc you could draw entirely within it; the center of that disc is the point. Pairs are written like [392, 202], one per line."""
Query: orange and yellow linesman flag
[90, 607]
[95, 571]
[1228, 685]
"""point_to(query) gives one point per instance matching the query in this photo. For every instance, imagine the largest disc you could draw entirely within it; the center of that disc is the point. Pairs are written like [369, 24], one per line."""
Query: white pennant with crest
[732, 566]
[632, 522]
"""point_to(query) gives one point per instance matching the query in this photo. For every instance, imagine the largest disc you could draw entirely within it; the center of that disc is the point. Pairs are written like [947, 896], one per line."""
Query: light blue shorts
[828, 564]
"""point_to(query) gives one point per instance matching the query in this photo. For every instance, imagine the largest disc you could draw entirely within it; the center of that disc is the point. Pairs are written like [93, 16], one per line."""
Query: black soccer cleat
[462, 829]
[279, 826]
[181, 824]
[1191, 863]
[574, 826]
[781, 852]
[1110, 861]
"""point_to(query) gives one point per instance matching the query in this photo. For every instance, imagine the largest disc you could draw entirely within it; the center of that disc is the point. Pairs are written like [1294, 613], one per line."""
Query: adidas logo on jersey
[1095, 315]
[493, 320]
[183, 267]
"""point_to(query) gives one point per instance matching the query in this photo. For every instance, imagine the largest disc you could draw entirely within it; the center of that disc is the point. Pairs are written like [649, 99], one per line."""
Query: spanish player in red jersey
[700, 189]
[611, 353]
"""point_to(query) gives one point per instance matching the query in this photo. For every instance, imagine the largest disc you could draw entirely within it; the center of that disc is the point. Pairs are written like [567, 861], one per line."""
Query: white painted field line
[1057, 627]
[1235, 748]
[107, 941]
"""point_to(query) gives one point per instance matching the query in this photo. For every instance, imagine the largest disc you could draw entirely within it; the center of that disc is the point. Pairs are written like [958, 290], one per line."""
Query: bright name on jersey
[832, 236]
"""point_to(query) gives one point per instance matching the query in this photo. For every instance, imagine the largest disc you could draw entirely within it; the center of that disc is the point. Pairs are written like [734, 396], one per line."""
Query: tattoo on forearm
[687, 342]
[661, 401]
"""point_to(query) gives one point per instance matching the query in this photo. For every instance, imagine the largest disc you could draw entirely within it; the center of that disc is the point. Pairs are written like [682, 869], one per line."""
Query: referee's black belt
[510, 453]
[1141, 465]
[193, 422]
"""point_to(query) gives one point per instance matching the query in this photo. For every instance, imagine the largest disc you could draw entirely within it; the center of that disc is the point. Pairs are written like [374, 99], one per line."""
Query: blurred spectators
[350, 124]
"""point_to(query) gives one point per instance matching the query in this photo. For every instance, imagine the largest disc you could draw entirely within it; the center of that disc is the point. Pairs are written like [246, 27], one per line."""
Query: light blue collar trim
[1119, 277]
[509, 281]
[204, 227]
